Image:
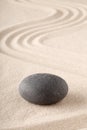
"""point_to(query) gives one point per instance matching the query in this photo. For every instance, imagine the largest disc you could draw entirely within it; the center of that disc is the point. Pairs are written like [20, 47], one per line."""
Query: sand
[43, 36]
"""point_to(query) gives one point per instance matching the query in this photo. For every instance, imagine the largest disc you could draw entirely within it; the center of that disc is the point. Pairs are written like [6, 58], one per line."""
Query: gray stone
[43, 88]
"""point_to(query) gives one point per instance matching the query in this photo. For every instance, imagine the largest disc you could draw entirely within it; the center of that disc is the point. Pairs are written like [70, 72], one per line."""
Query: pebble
[43, 88]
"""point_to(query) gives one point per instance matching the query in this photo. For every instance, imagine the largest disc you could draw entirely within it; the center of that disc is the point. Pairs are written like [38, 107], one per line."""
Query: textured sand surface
[43, 36]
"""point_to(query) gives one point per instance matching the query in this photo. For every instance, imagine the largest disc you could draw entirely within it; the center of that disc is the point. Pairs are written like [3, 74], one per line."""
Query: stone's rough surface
[43, 88]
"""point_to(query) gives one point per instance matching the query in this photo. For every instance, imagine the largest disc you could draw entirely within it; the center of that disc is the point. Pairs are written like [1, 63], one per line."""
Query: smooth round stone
[43, 88]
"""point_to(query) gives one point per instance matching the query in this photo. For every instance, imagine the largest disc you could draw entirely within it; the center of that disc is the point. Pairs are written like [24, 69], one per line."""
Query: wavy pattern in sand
[23, 41]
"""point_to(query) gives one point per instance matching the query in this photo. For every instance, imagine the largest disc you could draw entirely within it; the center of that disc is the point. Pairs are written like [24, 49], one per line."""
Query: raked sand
[43, 36]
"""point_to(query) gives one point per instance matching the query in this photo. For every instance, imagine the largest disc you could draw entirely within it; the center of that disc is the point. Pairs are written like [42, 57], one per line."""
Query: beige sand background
[43, 36]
